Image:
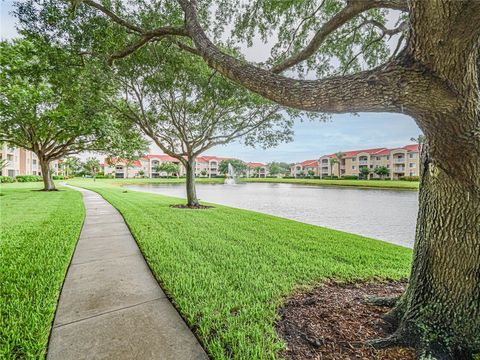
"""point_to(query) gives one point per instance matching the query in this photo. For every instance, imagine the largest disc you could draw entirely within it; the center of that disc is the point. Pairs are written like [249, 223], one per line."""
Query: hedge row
[28, 178]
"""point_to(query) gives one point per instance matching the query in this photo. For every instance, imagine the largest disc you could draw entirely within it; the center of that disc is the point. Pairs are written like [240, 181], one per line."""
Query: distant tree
[364, 172]
[301, 173]
[203, 172]
[92, 166]
[238, 166]
[141, 173]
[381, 171]
[52, 103]
[311, 173]
[420, 140]
[276, 168]
[71, 165]
[167, 167]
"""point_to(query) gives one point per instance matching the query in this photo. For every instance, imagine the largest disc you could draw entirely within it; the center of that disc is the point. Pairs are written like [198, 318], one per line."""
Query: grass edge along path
[228, 270]
[39, 232]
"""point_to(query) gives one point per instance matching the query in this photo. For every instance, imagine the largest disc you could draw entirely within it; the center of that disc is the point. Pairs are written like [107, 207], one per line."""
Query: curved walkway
[111, 306]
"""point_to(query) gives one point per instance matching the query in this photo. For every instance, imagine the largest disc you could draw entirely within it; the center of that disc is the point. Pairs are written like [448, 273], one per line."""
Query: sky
[312, 139]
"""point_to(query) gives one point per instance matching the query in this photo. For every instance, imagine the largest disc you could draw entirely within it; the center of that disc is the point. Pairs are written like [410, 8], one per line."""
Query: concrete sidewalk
[111, 306]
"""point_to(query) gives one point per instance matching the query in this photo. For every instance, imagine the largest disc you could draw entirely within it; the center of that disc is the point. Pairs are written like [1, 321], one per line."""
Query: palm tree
[339, 155]
[333, 161]
[420, 140]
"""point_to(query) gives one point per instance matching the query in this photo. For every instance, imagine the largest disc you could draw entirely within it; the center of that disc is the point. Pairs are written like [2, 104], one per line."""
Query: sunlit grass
[38, 234]
[228, 270]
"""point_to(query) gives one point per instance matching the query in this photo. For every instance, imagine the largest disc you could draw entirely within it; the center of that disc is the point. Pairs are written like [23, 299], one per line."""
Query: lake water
[388, 215]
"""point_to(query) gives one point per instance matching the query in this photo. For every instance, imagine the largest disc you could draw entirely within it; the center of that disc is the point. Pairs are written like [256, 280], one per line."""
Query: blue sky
[312, 139]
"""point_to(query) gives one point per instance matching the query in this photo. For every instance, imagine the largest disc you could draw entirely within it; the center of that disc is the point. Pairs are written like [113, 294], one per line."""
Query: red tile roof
[254, 165]
[211, 158]
[309, 163]
[162, 157]
[116, 161]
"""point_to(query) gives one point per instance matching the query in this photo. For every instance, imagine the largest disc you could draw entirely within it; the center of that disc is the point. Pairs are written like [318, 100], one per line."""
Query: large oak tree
[52, 103]
[186, 108]
[432, 75]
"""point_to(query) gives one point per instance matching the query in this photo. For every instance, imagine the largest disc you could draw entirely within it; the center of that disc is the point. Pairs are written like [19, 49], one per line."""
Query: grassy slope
[389, 184]
[38, 234]
[228, 270]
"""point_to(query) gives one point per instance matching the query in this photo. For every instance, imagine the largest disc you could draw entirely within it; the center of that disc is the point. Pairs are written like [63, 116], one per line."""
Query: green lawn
[228, 270]
[38, 235]
[384, 184]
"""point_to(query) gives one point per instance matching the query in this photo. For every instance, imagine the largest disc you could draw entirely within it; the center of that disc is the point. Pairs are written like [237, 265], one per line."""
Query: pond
[388, 215]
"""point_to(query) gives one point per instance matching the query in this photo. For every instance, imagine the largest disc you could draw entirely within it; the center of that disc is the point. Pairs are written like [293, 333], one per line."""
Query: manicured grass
[228, 270]
[384, 184]
[38, 235]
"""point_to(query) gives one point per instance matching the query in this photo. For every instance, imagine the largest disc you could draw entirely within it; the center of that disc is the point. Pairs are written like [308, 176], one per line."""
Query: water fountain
[230, 179]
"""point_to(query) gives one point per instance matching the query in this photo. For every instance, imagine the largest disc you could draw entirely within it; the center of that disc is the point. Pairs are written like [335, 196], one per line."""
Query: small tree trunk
[191, 192]
[439, 313]
[48, 184]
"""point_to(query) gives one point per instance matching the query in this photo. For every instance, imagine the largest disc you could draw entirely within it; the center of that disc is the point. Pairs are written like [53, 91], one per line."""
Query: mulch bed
[199, 207]
[334, 322]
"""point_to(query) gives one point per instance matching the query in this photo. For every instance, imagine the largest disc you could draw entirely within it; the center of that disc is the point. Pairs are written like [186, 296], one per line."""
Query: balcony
[399, 169]
[363, 162]
[398, 160]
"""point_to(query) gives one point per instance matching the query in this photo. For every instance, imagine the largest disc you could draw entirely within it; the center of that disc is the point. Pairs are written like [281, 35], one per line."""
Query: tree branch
[392, 87]
[350, 11]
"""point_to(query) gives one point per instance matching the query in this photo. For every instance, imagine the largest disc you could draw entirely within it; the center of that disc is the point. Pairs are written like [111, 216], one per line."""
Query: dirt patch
[197, 207]
[334, 322]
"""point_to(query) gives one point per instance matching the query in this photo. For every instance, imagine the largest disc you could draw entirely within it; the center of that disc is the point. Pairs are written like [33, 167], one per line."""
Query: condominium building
[147, 166]
[304, 168]
[23, 162]
[403, 161]
[256, 169]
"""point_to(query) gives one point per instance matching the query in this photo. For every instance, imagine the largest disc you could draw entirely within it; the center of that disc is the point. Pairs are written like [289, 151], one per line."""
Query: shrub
[28, 178]
[409, 178]
[350, 177]
[102, 176]
[6, 179]
[330, 177]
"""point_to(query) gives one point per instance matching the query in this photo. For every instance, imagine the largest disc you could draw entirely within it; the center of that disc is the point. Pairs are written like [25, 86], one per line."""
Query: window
[413, 155]
[353, 159]
[412, 173]
[413, 165]
[388, 166]
[10, 157]
[378, 158]
[371, 166]
[34, 172]
[353, 167]
[11, 173]
[34, 162]
[388, 157]
[118, 167]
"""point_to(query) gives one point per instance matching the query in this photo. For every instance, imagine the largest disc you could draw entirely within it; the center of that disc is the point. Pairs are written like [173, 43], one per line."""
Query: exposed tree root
[391, 341]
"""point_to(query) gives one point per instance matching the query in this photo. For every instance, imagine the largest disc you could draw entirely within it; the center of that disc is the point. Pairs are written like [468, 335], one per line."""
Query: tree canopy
[53, 103]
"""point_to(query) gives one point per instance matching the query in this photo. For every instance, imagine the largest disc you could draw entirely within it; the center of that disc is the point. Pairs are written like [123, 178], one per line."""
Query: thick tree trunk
[439, 313]
[48, 184]
[192, 200]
